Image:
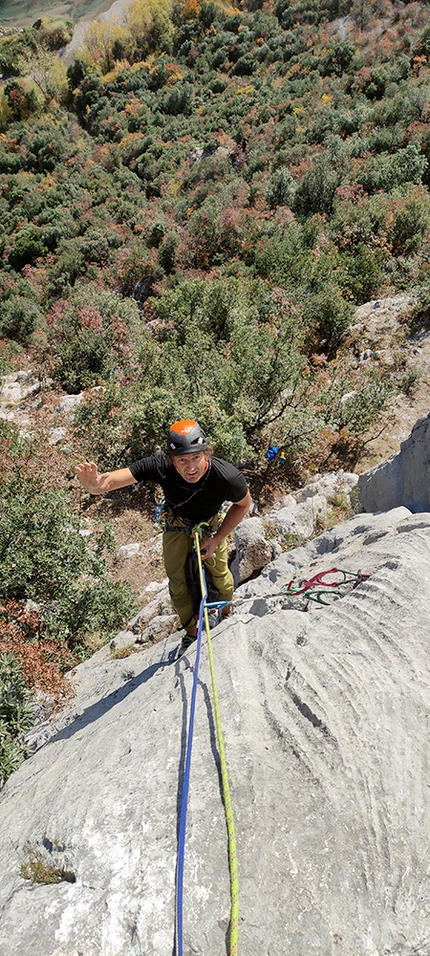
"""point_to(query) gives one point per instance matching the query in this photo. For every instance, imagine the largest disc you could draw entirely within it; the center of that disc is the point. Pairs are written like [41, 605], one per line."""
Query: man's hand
[208, 547]
[90, 477]
[234, 516]
[97, 483]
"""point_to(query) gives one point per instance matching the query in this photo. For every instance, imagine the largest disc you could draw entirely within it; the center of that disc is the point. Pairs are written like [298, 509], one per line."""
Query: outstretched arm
[98, 483]
[234, 516]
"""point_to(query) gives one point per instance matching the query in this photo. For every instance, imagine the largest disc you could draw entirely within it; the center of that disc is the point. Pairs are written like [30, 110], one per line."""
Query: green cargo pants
[177, 545]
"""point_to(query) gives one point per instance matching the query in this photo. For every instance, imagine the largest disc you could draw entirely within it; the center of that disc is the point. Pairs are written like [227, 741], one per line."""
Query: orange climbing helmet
[186, 437]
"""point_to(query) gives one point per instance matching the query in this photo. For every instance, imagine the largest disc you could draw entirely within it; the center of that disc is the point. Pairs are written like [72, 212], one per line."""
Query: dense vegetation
[189, 213]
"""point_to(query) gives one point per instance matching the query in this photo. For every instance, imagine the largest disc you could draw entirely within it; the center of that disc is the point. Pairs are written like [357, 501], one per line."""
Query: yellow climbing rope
[232, 854]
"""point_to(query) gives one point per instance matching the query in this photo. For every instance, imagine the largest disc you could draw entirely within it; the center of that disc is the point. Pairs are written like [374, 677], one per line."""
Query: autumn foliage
[43, 663]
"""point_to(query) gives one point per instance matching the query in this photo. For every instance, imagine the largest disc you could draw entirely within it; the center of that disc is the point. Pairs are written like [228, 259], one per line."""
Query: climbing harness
[166, 520]
[232, 856]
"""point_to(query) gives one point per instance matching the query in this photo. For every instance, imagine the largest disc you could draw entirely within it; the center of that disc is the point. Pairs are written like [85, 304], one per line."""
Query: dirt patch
[114, 13]
[21, 13]
[131, 517]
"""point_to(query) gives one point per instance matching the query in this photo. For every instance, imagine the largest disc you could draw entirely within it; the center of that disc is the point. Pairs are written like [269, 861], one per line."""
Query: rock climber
[195, 485]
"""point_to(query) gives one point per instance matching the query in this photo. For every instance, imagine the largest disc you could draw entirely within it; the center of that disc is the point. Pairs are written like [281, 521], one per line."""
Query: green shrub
[12, 753]
[69, 265]
[8, 349]
[221, 341]
[359, 409]
[20, 316]
[21, 102]
[316, 192]
[16, 716]
[53, 34]
[27, 245]
[102, 426]
[244, 66]
[411, 223]
[45, 558]
[410, 381]
[94, 334]
[12, 47]
[229, 341]
[387, 172]
[282, 259]
[363, 271]
[327, 316]
[281, 189]
[14, 696]
[167, 252]
[422, 43]
[337, 60]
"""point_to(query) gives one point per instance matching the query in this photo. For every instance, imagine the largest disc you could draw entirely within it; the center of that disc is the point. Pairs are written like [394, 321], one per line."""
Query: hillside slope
[226, 185]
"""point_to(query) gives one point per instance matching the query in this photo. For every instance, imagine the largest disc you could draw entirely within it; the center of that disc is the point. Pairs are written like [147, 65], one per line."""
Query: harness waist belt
[176, 523]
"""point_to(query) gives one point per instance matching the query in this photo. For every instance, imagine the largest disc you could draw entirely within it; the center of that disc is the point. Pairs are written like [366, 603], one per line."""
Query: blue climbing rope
[185, 791]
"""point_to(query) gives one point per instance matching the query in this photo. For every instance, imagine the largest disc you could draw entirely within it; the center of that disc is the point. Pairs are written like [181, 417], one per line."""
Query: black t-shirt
[195, 501]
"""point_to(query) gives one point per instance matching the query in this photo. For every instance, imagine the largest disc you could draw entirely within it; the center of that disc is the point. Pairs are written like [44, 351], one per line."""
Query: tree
[27, 246]
[316, 192]
[281, 189]
[230, 341]
[21, 99]
[44, 558]
[98, 46]
[94, 334]
[327, 316]
[150, 27]
[20, 316]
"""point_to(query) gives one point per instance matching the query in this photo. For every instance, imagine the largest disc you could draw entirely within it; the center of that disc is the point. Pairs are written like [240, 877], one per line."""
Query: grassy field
[21, 13]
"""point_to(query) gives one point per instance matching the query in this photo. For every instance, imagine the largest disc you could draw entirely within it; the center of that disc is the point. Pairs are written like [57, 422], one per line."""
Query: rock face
[253, 551]
[15, 388]
[299, 513]
[293, 516]
[325, 720]
[404, 478]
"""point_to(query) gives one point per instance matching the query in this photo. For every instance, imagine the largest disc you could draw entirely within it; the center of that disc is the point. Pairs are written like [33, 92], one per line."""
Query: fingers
[88, 475]
[86, 468]
[207, 548]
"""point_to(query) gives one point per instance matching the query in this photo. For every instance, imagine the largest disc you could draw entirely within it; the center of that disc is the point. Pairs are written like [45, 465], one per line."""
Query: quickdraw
[317, 587]
[159, 515]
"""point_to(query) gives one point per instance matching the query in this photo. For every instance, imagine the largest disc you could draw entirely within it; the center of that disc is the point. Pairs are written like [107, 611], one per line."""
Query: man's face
[191, 467]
